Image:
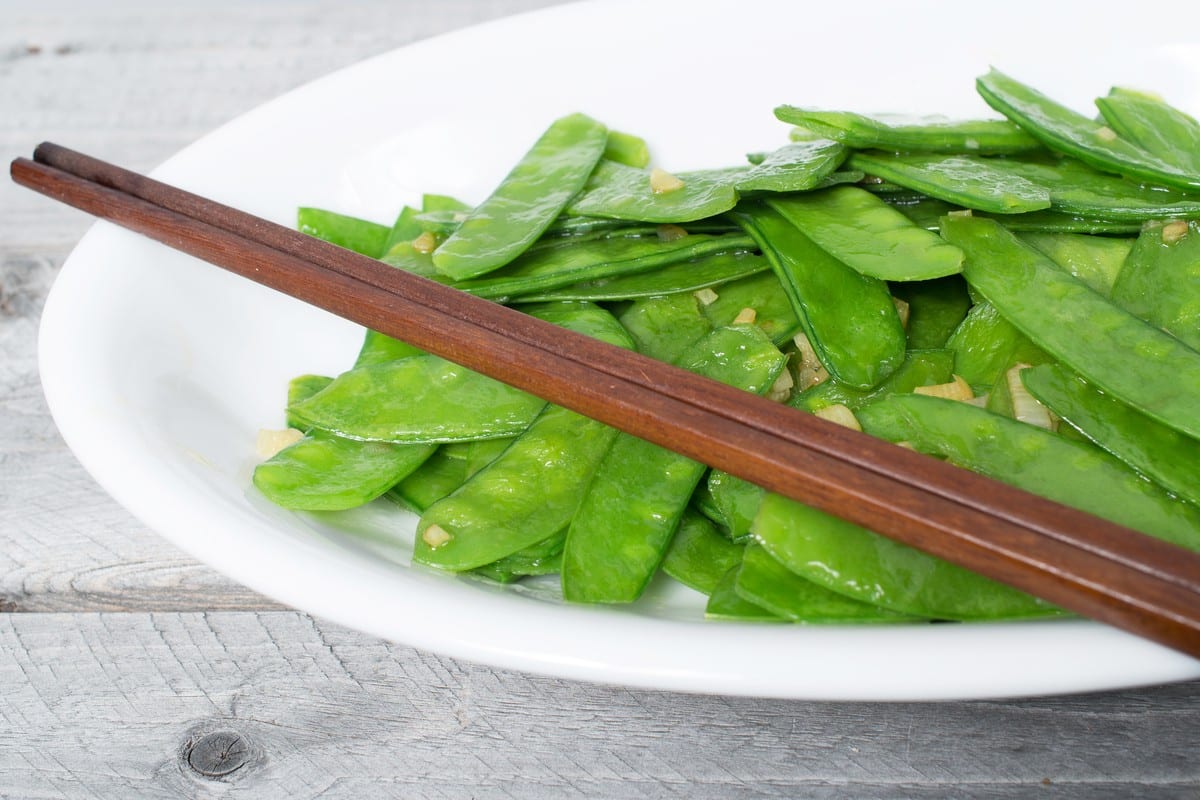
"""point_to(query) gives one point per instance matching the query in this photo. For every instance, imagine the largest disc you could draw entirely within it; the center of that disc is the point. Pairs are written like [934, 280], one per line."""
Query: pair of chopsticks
[1072, 559]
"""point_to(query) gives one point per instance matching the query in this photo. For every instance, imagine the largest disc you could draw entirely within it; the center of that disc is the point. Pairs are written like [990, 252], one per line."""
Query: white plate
[160, 369]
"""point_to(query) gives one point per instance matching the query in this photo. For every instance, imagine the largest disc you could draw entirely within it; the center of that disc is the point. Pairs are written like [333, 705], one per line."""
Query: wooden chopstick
[1070, 558]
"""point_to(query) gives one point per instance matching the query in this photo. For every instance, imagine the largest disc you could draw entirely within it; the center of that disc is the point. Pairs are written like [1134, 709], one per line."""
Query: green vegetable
[971, 182]
[768, 584]
[1071, 472]
[865, 233]
[529, 198]
[867, 567]
[1133, 360]
[493, 515]
[986, 137]
[639, 492]
[1160, 281]
[620, 192]
[359, 235]
[849, 318]
[1165, 456]
[1156, 127]
[725, 603]
[1073, 134]
[699, 556]
[1064, 245]
[567, 262]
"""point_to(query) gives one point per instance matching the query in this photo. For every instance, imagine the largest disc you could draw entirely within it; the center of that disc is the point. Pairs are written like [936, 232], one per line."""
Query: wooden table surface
[129, 670]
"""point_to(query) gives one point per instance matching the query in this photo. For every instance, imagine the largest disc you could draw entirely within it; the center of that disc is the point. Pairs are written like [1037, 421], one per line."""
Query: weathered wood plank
[113, 705]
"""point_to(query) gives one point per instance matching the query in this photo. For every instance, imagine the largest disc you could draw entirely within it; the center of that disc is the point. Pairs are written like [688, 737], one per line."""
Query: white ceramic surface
[160, 369]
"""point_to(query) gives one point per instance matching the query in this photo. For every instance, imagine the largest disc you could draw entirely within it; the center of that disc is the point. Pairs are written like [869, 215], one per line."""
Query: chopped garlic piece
[745, 317]
[270, 442]
[1106, 134]
[841, 415]
[425, 243]
[1026, 408]
[901, 311]
[671, 233]
[957, 389]
[1172, 232]
[808, 355]
[435, 536]
[706, 296]
[781, 390]
[663, 182]
[809, 371]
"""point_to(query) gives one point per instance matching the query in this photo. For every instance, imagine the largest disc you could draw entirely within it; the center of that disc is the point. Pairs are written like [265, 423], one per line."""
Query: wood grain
[322, 711]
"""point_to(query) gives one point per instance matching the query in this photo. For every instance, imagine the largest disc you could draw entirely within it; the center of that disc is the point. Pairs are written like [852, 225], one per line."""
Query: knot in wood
[218, 754]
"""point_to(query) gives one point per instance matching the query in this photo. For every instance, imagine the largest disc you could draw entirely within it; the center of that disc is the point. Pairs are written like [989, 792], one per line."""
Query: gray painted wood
[307, 708]
[129, 670]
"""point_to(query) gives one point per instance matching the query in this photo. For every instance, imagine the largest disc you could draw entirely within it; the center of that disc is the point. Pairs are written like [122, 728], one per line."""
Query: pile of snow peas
[1019, 296]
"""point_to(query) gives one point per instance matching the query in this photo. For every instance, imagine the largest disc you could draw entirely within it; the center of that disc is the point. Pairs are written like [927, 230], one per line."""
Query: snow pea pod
[685, 276]
[527, 200]
[627, 149]
[531, 491]
[444, 471]
[620, 192]
[768, 584]
[735, 501]
[849, 318]
[441, 401]
[725, 603]
[569, 262]
[928, 212]
[624, 524]
[421, 399]
[1073, 134]
[963, 180]
[359, 235]
[1165, 456]
[404, 229]
[1077, 189]
[935, 309]
[300, 388]
[795, 167]
[322, 472]
[870, 568]
[699, 556]
[1153, 125]
[379, 348]
[1095, 260]
[928, 135]
[1160, 282]
[665, 327]
[406, 256]
[542, 558]
[1069, 471]
[497, 512]
[1121, 354]
[859, 229]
